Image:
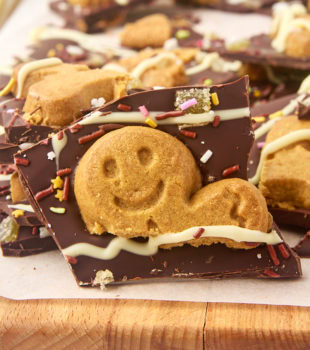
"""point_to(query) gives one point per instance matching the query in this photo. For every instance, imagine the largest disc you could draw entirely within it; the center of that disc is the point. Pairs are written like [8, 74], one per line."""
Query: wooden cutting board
[144, 324]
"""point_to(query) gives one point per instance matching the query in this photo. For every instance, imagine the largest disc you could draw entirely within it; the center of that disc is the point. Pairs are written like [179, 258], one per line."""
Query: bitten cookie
[137, 181]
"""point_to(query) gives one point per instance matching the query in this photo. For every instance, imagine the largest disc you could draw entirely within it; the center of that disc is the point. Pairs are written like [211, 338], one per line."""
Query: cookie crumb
[103, 277]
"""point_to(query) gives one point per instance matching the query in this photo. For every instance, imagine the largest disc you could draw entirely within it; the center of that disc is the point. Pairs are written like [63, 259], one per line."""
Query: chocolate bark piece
[302, 248]
[93, 19]
[299, 217]
[216, 261]
[259, 51]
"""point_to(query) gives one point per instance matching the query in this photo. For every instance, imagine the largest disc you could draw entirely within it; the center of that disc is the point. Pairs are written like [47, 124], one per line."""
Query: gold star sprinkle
[57, 182]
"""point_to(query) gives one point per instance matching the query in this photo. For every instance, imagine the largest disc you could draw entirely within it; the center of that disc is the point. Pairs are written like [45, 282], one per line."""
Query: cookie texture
[285, 178]
[141, 182]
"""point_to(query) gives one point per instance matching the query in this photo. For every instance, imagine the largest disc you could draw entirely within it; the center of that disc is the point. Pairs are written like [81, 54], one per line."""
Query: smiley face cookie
[137, 181]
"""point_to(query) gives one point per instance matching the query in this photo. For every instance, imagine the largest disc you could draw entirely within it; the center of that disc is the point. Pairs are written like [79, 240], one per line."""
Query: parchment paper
[48, 276]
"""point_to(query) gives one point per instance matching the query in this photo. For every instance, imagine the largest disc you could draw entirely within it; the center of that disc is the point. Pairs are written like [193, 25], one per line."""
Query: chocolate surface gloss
[230, 141]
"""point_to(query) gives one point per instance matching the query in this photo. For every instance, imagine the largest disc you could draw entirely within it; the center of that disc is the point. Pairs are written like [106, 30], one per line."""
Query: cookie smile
[142, 203]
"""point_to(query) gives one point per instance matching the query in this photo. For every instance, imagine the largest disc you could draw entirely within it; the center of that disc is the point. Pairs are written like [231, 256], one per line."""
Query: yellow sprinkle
[57, 182]
[58, 210]
[8, 88]
[59, 195]
[259, 119]
[17, 213]
[60, 47]
[276, 115]
[151, 122]
[257, 93]
[215, 99]
[51, 53]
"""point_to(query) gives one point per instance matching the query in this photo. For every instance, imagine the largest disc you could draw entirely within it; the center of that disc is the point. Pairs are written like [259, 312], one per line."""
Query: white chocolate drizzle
[58, 146]
[151, 62]
[276, 145]
[25, 207]
[285, 22]
[214, 62]
[30, 67]
[236, 233]
[265, 128]
[137, 117]
[86, 41]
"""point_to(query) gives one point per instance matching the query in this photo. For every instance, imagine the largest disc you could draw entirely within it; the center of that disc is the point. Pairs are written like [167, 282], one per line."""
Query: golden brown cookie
[150, 31]
[285, 178]
[56, 95]
[138, 181]
[298, 44]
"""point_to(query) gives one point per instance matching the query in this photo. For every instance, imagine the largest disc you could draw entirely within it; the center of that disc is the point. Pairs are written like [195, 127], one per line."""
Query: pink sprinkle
[144, 111]
[188, 104]
[199, 43]
[260, 144]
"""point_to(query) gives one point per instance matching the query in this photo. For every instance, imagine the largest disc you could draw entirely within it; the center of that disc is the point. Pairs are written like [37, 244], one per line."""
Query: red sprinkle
[35, 230]
[199, 232]
[271, 274]
[45, 142]
[62, 172]
[123, 107]
[273, 255]
[60, 135]
[22, 161]
[230, 170]
[216, 121]
[190, 134]
[71, 260]
[283, 251]
[4, 192]
[44, 193]
[75, 128]
[65, 193]
[91, 137]
[169, 115]
[5, 187]
[13, 119]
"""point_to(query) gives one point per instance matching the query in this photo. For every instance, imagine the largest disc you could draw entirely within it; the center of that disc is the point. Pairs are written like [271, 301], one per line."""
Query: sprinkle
[44, 193]
[230, 170]
[63, 172]
[4, 192]
[13, 119]
[260, 144]
[257, 93]
[44, 142]
[151, 122]
[71, 259]
[273, 255]
[182, 34]
[5, 187]
[259, 256]
[271, 274]
[60, 135]
[58, 210]
[216, 121]
[75, 128]
[51, 53]
[51, 155]
[35, 230]
[207, 155]
[8, 88]
[190, 134]
[91, 137]
[199, 232]
[283, 251]
[259, 119]
[171, 44]
[66, 188]
[22, 161]
[199, 43]
[207, 82]
[123, 107]
[215, 99]
[189, 103]
[97, 102]
[59, 195]
[169, 115]
[17, 213]
[144, 110]
[57, 182]
[276, 115]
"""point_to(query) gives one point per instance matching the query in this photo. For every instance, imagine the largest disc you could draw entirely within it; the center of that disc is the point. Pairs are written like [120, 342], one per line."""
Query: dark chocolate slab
[215, 261]
[260, 51]
[303, 247]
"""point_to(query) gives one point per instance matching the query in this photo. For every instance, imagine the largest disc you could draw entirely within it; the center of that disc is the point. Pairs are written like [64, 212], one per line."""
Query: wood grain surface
[144, 324]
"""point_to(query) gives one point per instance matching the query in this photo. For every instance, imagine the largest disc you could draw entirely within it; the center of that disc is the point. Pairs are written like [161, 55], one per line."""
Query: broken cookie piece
[151, 194]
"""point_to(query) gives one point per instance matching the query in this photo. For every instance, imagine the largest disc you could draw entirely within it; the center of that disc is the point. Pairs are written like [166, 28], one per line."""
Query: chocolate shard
[302, 248]
[215, 261]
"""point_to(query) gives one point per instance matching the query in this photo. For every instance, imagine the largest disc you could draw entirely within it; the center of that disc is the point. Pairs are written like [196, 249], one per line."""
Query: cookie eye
[145, 156]
[110, 168]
